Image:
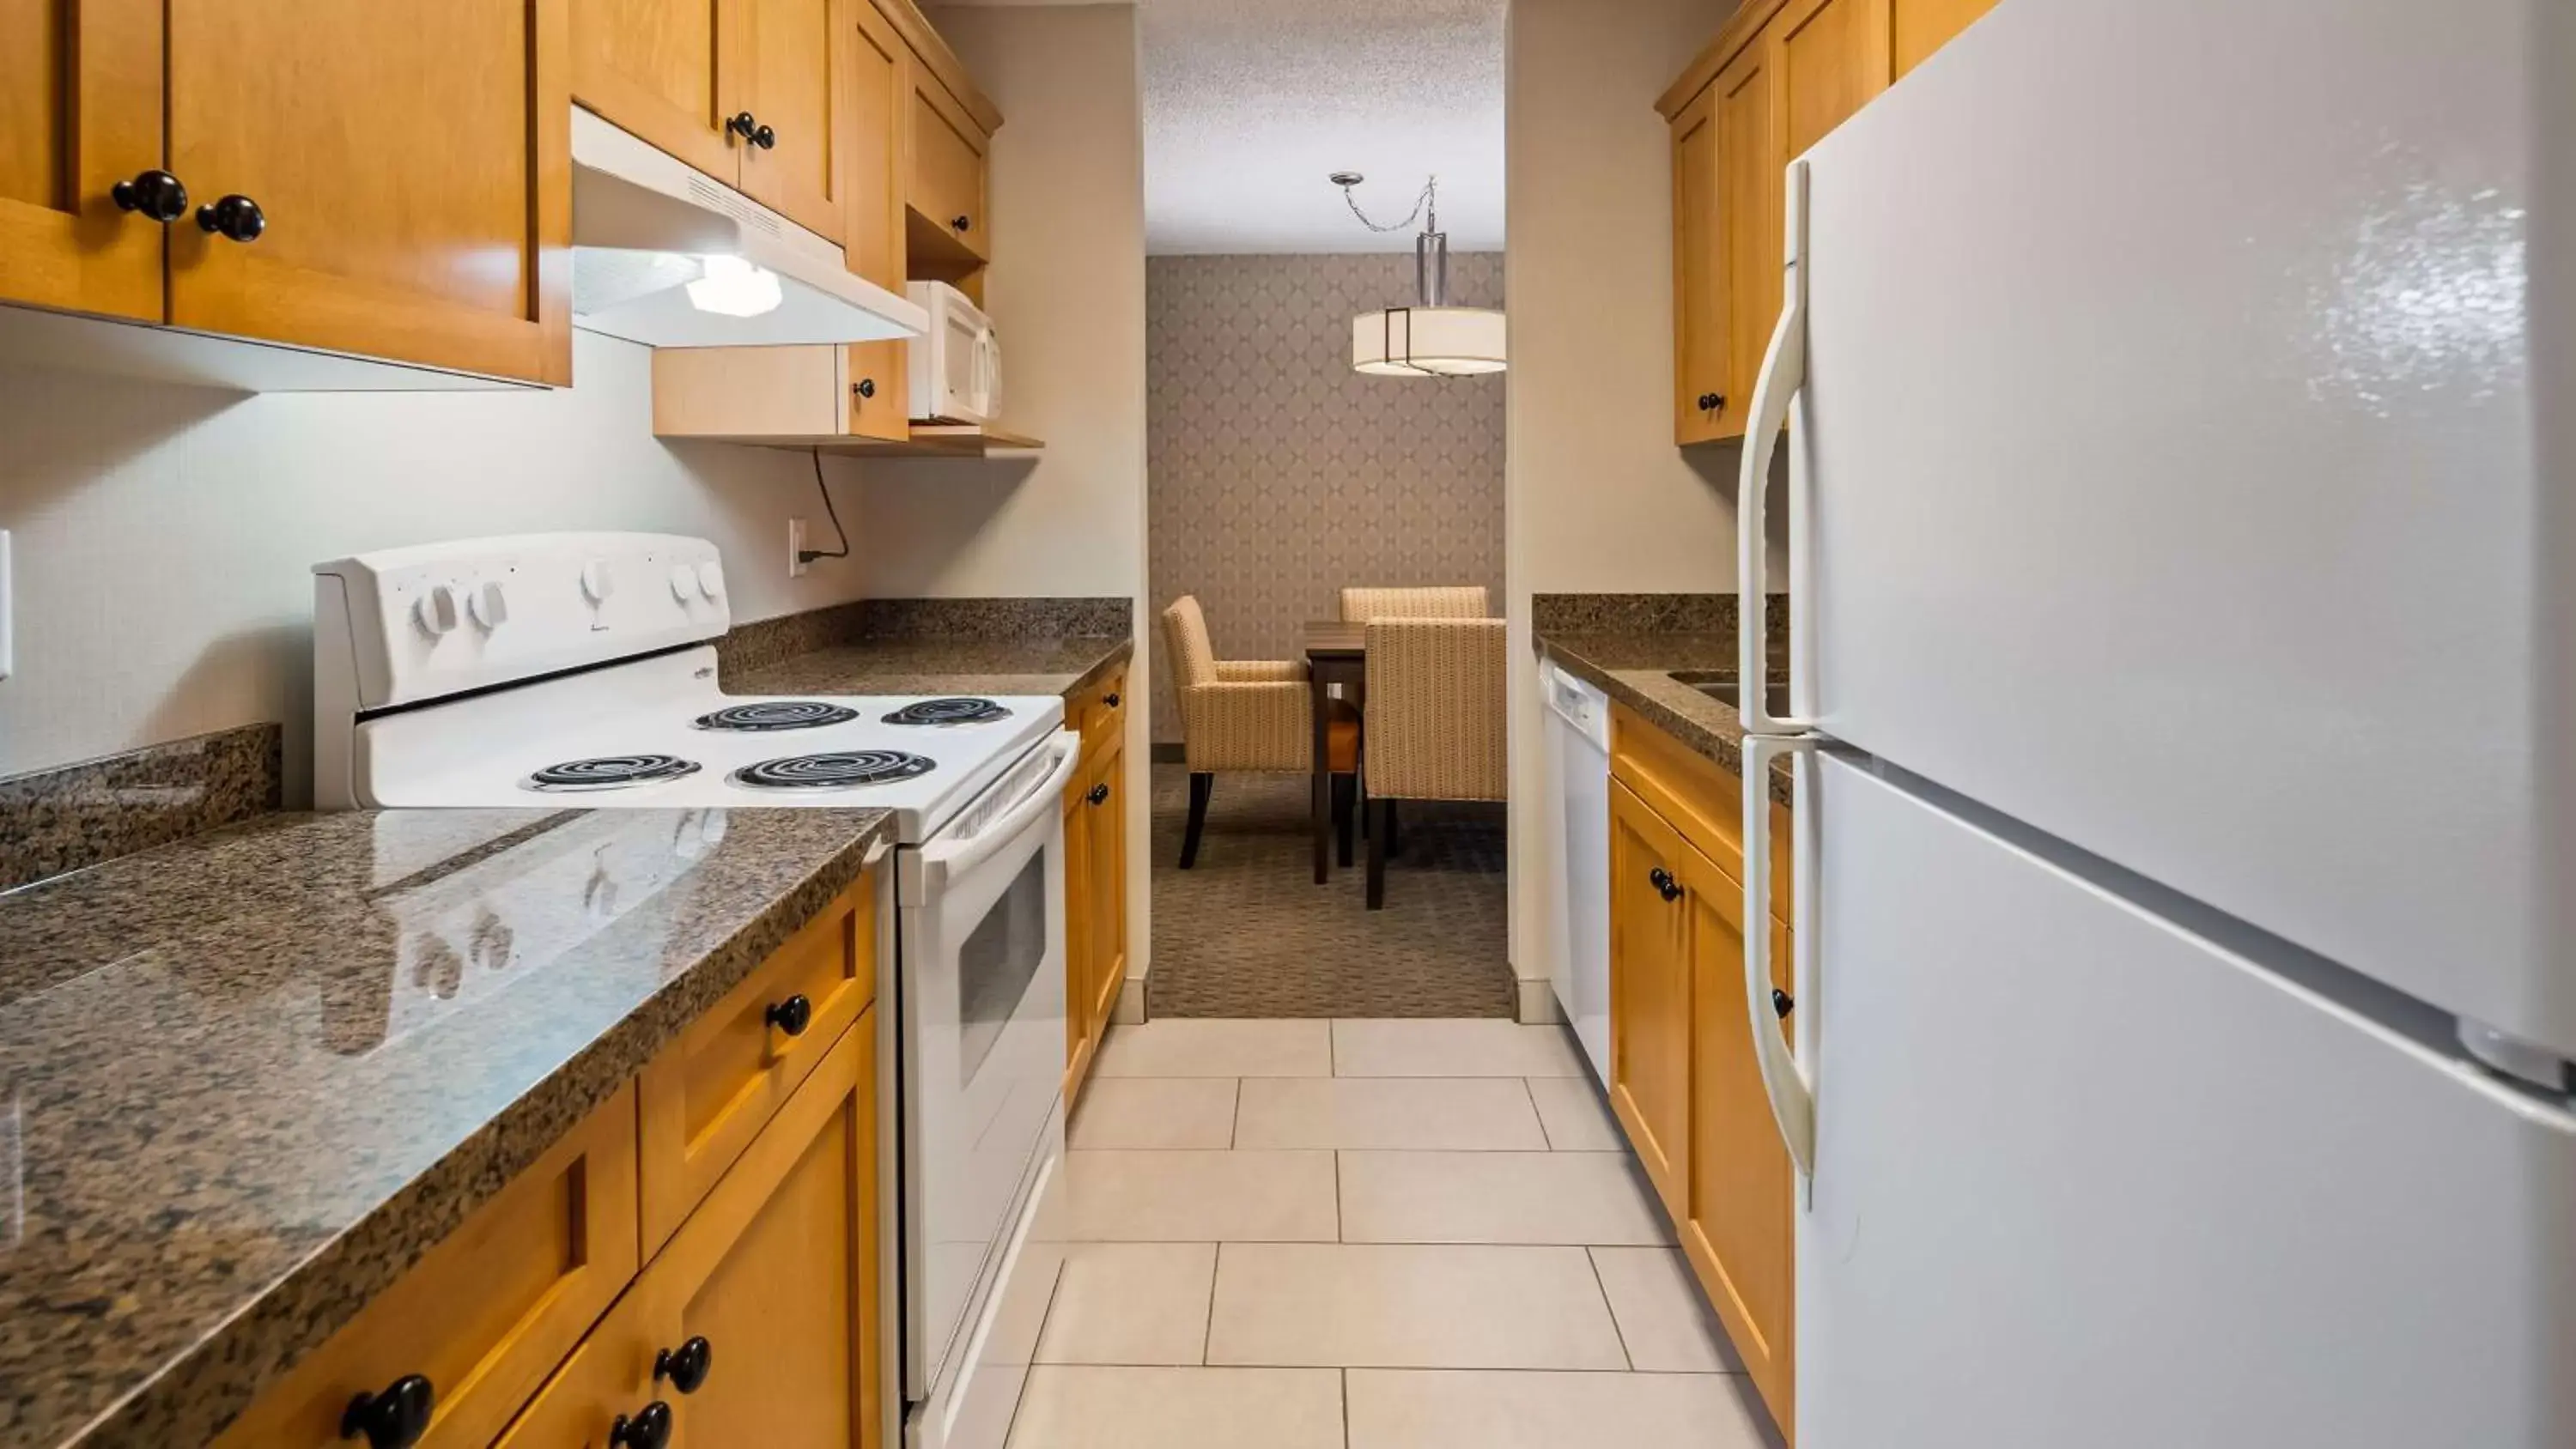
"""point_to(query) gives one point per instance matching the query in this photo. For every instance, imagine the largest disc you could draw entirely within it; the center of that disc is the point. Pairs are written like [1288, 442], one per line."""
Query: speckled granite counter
[1634, 668]
[248, 1078]
[1040, 665]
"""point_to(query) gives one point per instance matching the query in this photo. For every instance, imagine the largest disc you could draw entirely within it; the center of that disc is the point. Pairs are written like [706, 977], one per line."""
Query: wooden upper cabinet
[1749, 236]
[1831, 57]
[946, 194]
[80, 110]
[1650, 985]
[1702, 402]
[795, 53]
[1738, 1229]
[777, 1270]
[407, 170]
[872, 234]
[657, 69]
[1920, 27]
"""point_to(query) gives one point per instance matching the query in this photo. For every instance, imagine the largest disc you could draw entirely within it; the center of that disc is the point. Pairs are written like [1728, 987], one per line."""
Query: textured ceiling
[1250, 104]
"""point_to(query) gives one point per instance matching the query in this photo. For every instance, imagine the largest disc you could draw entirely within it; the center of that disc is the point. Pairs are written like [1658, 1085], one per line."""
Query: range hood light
[733, 287]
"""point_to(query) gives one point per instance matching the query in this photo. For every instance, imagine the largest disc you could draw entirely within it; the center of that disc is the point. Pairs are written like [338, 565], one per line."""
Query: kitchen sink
[1722, 685]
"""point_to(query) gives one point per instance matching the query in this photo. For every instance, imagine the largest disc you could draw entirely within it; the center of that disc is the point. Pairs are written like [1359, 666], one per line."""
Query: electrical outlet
[6, 621]
[796, 564]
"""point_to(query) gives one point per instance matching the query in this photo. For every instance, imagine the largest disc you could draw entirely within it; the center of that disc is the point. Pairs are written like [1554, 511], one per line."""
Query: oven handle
[942, 857]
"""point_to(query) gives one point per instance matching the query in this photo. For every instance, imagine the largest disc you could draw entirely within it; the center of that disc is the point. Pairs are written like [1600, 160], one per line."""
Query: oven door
[983, 942]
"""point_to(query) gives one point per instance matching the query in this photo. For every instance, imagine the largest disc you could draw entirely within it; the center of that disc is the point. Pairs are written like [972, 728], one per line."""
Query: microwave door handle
[943, 857]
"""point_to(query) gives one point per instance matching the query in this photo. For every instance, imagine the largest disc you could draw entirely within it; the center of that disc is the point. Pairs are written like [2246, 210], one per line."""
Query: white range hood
[665, 255]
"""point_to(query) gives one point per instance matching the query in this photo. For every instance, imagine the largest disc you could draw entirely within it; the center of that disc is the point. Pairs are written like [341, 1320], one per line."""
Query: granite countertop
[247, 1079]
[1634, 668]
[1052, 664]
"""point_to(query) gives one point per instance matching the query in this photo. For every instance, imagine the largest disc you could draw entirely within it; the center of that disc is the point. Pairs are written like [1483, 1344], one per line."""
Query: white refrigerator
[2181, 516]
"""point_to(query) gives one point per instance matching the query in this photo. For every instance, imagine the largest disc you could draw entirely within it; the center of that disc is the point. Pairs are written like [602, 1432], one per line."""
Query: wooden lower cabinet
[773, 1280]
[1650, 980]
[1683, 1080]
[1095, 893]
[1737, 1232]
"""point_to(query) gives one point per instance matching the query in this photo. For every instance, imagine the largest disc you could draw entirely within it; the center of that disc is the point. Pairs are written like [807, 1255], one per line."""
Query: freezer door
[2087, 1178]
[2182, 471]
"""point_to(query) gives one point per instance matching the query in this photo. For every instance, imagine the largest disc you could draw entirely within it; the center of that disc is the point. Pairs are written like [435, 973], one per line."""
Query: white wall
[164, 535]
[1067, 294]
[1597, 498]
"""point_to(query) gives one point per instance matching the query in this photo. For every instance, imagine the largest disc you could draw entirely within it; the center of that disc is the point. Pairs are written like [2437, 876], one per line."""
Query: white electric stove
[575, 671]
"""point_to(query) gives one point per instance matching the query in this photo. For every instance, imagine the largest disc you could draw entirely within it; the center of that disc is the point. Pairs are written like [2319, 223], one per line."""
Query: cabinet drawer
[610, 1376]
[1700, 797]
[1101, 710]
[487, 1313]
[708, 1093]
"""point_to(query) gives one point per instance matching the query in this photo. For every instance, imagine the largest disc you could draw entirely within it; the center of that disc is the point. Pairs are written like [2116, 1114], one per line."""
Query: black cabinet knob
[155, 193]
[962, 222]
[743, 124]
[1110, 699]
[865, 387]
[765, 138]
[394, 1419]
[1097, 793]
[649, 1429]
[686, 1366]
[791, 1016]
[235, 218]
[1781, 1002]
[1664, 884]
[1710, 402]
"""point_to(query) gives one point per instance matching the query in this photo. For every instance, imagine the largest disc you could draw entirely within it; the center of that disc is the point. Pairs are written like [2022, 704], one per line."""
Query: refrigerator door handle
[1792, 1096]
[1784, 372]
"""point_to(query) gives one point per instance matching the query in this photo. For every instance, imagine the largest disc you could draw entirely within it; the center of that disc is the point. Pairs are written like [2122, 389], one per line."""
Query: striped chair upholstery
[1463, 601]
[1433, 724]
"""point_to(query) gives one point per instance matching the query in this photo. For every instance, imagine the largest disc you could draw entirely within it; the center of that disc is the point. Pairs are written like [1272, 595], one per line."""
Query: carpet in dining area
[1247, 932]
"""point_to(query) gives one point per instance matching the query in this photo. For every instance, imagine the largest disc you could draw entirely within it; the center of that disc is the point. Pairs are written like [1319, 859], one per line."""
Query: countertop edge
[208, 1383]
[1718, 739]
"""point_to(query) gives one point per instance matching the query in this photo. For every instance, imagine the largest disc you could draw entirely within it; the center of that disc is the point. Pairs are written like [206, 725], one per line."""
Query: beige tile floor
[1365, 1235]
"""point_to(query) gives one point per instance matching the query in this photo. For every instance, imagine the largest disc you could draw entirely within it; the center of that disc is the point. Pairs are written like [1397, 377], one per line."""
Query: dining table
[1336, 654]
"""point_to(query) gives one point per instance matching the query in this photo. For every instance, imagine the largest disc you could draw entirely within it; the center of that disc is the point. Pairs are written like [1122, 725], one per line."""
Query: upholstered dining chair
[1434, 727]
[1249, 715]
[1463, 601]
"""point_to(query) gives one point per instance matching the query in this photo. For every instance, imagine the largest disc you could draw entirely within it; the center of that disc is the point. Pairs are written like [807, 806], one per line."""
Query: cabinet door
[1079, 1037]
[793, 50]
[946, 193]
[411, 164]
[1749, 164]
[608, 1378]
[660, 69]
[1702, 405]
[872, 229]
[1650, 994]
[1107, 828]
[1737, 1232]
[1829, 58]
[80, 110]
[777, 1270]
[1921, 27]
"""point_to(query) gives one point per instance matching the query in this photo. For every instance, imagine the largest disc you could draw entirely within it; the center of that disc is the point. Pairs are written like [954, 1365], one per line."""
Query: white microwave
[956, 367]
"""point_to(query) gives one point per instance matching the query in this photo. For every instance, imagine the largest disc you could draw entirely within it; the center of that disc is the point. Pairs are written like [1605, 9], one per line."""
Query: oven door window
[999, 960]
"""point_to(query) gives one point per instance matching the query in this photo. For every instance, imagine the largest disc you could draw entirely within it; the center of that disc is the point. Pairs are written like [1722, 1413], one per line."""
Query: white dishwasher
[1578, 762]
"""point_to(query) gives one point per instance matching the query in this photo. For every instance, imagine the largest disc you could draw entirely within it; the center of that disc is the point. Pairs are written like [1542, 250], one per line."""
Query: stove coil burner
[778, 714]
[948, 712]
[841, 770]
[612, 772]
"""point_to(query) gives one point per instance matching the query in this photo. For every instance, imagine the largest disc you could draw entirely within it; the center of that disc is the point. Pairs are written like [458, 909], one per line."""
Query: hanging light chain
[1427, 201]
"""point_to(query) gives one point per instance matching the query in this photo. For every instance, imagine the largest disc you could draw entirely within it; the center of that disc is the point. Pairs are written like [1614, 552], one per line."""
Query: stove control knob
[440, 610]
[490, 607]
[597, 583]
[711, 580]
[684, 582]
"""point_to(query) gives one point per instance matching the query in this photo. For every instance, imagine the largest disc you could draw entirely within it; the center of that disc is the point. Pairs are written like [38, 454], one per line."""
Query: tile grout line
[1346, 1408]
[1234, 1125]
[1543, 1134]
[1207, 1328]
[1609, 1308]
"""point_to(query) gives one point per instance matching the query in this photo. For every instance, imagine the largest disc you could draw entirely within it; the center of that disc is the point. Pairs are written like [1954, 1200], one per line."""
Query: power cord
[808, 555]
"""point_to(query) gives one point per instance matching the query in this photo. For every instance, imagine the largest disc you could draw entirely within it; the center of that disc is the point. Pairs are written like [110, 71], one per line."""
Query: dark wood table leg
[1322, 803]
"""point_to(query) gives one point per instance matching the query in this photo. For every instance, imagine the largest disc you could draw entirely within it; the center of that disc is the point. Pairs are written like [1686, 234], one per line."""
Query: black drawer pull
[791, 1016]
[394, 1419]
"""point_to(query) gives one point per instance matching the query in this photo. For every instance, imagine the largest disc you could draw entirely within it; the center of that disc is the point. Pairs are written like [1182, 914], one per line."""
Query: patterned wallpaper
[1276, 474]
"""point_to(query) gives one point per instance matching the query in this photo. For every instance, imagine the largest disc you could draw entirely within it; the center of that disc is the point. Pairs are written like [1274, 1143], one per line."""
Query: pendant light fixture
[1430, 338]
